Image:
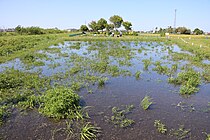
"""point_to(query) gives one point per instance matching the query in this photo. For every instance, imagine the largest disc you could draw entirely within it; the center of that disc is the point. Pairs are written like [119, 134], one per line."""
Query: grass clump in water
[59, 103]
[207, 136]
[189, 80]
[119, 116]
[137, 74]
[146, 102]
[161, 69]
[180, 133]
[101, 81]
[206, 75]
[89, 132]
[147, 63]
[4, 113]
[160, 126]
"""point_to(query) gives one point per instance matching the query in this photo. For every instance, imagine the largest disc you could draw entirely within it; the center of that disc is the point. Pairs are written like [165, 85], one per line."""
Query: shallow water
[120, 91]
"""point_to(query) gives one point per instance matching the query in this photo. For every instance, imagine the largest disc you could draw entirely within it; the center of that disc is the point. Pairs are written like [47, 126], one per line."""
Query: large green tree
[183, 30]
[94, 26]
[116, 20]
[109, 27]
[102, 23]
[127, 25]
[18, 29]
[170, 29]
[83, 28]
[198, 31]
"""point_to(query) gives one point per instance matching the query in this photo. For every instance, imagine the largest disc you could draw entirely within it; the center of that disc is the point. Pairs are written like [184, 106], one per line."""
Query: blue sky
[144, 14]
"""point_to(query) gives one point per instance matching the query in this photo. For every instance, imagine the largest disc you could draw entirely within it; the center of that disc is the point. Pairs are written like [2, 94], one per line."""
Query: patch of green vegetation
[4, 113]
[207, 136]
[16, 86]
[119, 116]
[160, 126]
[174, 68]
[101, 81]
[75, 70]
[89, 132]
[31, 102]
[33, 59]
[147, 63]
[77, 47]
[59, 103]
[146, 102]
[206, 75]
[137, 74]
[53, 65]
[180, 56]
[161, 69]
[189, 80]
[180, 133]
[12, 47]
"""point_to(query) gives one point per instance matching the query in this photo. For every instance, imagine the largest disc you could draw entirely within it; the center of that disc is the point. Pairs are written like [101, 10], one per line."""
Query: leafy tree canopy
[102, 23]
[116, 20]
[198, 31]
[127, 25]
[94, 26]
[83, 28]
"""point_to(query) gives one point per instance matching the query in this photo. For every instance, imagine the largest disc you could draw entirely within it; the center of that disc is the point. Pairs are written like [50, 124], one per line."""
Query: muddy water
[121, 91]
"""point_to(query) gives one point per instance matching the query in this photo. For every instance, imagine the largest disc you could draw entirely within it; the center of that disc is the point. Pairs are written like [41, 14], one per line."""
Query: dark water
[121, 91]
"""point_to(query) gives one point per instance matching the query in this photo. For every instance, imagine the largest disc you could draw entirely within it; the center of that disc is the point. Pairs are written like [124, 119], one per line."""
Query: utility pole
[175, 21]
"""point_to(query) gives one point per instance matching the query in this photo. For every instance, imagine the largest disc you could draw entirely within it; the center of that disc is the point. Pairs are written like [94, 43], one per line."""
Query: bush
[59, 102]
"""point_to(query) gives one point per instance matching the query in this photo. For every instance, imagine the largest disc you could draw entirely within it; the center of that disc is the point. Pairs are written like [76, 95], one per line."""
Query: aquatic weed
[119, 116]
[180, 133]
[137, 74]
[89, 132]
[147, 63]
[146, 102]
[160, 126]
[189, 80]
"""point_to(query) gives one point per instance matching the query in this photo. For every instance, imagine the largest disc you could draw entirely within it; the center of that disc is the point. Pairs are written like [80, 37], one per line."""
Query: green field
[98, 87]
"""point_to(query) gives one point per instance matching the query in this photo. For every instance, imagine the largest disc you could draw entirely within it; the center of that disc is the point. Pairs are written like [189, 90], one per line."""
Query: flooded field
[113, 80]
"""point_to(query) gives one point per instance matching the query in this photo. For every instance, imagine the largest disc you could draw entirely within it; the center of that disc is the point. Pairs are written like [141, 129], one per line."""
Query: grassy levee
[198, 45]
[12, 47]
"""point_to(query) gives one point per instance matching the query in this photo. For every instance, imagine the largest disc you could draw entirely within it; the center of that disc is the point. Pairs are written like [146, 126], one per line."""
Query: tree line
[115, 23]
[36, 30]
[179, 30]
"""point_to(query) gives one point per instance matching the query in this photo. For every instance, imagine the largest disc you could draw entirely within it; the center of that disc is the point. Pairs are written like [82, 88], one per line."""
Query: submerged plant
[137, 74]
[161, 69]
[4, 113]
[147, 63]
[174, 68]
[181, 132]
[89, 132]
[119, 116]
[206, 75]
[146, 102]
[160, 126]
[101, 81]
